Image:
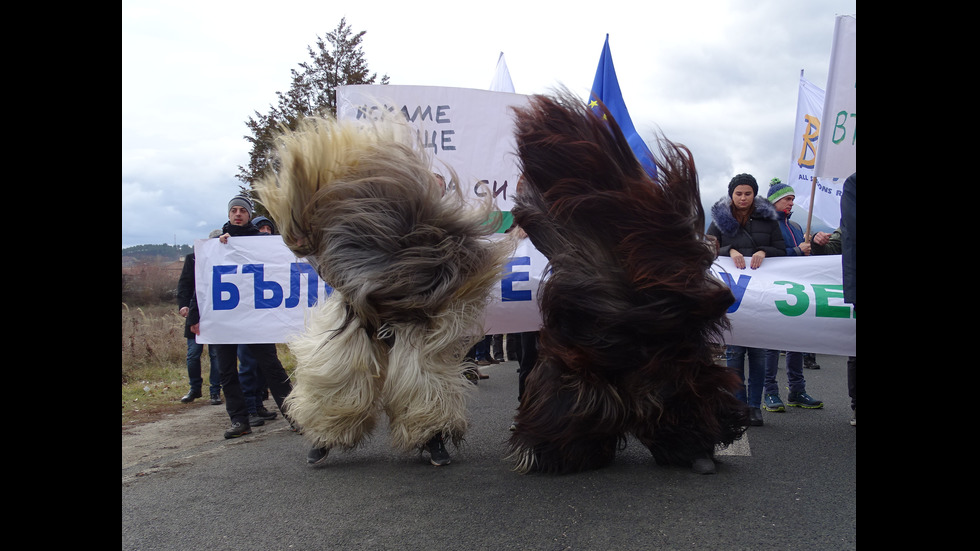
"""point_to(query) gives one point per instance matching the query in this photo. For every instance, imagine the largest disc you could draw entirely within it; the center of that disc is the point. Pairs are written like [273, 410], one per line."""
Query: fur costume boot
[630, 310]
[411, 267]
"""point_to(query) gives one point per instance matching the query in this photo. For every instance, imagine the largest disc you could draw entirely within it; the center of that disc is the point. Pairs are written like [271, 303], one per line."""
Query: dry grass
[154, 362]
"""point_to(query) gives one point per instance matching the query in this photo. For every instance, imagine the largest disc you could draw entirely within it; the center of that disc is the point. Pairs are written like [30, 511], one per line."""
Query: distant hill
[155, 254]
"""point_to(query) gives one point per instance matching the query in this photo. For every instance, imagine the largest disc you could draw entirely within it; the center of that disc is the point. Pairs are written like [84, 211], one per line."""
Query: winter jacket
[186, 295]
[760, 233]
[238, 231]
[792, 233]
[832, 247]
[848, 222]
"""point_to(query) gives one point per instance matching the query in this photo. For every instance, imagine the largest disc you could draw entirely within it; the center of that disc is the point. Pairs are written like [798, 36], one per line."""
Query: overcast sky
[721, 77]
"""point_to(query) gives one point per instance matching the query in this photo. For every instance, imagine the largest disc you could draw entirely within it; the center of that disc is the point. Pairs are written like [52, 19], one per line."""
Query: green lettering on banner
[822, 294]
[799, 306]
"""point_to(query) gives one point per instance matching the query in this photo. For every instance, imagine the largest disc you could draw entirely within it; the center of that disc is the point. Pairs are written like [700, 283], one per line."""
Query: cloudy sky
[721, 77]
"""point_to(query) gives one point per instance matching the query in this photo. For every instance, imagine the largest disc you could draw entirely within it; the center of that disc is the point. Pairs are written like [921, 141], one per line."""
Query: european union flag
[606, 88]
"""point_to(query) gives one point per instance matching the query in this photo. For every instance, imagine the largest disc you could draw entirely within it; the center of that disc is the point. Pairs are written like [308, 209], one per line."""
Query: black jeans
[268, 363]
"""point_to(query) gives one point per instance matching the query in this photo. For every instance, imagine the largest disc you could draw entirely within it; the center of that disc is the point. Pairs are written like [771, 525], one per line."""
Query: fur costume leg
[342, 374]
[424, 395]
[630, 309]
[412, 268]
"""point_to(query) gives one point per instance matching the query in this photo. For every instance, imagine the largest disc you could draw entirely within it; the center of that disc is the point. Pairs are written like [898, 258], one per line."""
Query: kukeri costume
[411, 268]
[629, 310]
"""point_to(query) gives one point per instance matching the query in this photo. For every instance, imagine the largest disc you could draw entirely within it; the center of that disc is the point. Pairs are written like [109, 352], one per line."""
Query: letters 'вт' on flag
[605, 88]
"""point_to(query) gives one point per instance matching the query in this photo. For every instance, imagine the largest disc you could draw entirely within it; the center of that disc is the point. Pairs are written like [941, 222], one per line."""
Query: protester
[848, 217]
[745, 224]
[479, 355]
[187, 308]
[254, 386]
[239, 224]
[265, 225]
[782, 196]
[525, 349]
[824, 243]
[497, 348]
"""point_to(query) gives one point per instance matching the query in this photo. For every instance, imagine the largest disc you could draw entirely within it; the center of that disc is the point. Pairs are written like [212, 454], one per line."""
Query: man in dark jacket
[187, 308]
[239, 225]
[848, 222]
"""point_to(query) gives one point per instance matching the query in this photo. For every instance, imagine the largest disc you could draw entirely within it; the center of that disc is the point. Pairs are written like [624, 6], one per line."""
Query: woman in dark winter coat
[746, 225]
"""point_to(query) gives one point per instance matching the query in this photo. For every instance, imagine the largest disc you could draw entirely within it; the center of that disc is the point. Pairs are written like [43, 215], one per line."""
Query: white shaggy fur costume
[411, 268]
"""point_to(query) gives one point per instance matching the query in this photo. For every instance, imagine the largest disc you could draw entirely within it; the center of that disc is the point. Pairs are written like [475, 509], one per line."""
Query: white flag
[501, 79]
[837, 155]
[806, 142]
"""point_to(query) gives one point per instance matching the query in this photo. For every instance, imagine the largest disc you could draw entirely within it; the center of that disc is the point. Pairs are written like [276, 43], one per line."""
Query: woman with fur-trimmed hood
[746, 225]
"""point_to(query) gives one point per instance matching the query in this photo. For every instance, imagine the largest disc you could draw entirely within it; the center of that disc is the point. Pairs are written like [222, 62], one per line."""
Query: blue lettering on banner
[737, 288]
[218, 288]
[297, 269]
[225, 295]
[507, 291]
[262, 286]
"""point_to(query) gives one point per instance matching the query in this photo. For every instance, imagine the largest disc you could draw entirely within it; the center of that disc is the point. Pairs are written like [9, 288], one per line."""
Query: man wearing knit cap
[264, 225]
[781, 196]
[239, 219]
[267, 361]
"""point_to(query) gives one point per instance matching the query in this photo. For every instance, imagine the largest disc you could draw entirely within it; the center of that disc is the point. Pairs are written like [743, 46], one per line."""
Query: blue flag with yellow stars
[606, 89]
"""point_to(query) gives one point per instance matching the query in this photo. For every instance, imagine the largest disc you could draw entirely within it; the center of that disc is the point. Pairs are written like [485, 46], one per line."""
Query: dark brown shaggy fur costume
[629, 311]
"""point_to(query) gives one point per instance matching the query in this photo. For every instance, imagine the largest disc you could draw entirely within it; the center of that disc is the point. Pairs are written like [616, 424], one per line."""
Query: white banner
[470, 130]
[827, 192]
[793, 303]
[254, 290]
[837, 157]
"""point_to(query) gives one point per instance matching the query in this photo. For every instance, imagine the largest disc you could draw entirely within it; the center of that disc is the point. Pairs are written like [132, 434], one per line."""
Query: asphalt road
[790, 484]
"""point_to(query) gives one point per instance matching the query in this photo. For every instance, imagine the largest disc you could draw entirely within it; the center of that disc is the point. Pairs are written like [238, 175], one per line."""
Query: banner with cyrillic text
[470, 130]
[793, 303]
[254, 290]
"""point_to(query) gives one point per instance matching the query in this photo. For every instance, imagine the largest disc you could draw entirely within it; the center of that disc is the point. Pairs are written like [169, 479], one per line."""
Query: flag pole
[813, 195]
